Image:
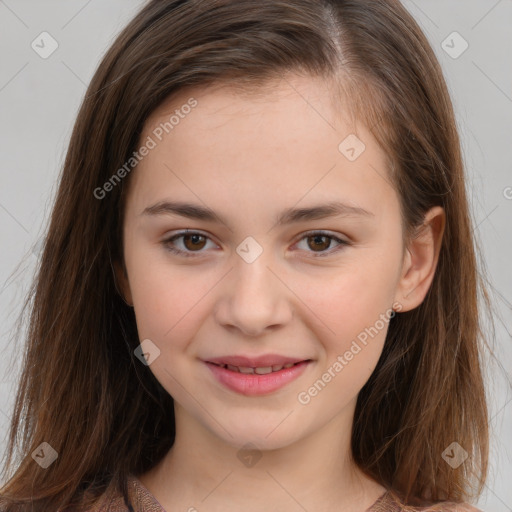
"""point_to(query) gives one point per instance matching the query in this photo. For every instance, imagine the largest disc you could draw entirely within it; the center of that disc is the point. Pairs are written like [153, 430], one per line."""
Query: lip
[256, 384]
[255, 362]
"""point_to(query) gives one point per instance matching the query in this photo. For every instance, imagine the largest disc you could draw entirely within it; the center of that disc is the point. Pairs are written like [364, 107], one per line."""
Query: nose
[254, 298]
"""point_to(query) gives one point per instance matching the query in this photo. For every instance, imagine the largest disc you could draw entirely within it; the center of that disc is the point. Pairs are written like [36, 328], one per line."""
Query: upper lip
[263, 361]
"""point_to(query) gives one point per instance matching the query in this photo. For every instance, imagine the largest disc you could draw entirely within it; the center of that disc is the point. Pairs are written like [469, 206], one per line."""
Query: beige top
[141, 500]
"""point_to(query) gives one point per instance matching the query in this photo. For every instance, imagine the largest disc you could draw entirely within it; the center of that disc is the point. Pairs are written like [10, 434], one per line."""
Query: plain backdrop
[39, 99]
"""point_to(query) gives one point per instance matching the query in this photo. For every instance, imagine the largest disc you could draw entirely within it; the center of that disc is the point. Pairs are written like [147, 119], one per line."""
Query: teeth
[263, 371]
[258, 371]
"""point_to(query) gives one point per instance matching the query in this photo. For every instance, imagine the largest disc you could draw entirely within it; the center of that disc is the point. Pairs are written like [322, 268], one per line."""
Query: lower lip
[252, 384]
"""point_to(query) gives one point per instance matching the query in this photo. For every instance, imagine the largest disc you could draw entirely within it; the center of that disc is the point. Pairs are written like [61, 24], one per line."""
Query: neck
[315, 472]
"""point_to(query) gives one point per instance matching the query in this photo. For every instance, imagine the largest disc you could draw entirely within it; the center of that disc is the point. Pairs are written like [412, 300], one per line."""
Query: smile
[260, 371]
[256, 380]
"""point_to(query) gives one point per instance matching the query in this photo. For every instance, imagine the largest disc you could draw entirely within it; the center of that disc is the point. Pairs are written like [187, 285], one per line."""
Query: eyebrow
[287, 216]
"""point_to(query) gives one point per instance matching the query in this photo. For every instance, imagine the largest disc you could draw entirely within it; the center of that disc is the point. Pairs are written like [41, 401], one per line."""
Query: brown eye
[186, 244]
[194, 242]
[319, 242]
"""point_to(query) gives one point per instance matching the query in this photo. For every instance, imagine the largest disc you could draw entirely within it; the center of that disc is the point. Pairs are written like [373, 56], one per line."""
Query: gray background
[39, 99]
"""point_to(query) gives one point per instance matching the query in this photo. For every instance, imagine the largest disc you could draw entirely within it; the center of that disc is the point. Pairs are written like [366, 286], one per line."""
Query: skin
[248, 158]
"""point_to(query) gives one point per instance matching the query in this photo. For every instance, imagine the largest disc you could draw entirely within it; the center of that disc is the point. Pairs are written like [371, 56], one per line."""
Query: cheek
[355, 312]
[350, 299]
[167, 298]
[340, 303]
[354, 306]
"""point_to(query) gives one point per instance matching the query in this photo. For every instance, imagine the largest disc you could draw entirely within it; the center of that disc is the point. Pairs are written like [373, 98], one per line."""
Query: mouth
[262, 370]
[259, 376]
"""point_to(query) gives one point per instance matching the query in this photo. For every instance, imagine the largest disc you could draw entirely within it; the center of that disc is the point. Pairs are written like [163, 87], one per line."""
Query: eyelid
[321, 232]
[166, 242]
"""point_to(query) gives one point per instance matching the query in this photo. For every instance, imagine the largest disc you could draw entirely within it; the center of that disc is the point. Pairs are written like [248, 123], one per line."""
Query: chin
[264, 435]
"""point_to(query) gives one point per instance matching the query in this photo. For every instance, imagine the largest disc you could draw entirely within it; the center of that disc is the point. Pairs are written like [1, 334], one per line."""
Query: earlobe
[121, 283]
[420, 261]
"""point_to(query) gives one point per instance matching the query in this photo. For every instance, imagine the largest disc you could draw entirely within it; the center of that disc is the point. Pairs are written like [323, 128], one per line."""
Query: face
[272, 278]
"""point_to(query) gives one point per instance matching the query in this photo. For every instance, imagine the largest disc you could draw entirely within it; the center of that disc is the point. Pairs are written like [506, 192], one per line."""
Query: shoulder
[111, 500]
[466, 507]
[454, 507]
[110, 503]
[391, 501]
[139, 499]
[450, 506]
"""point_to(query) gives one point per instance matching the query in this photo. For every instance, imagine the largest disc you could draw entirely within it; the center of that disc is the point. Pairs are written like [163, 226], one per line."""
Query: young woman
[259, 286]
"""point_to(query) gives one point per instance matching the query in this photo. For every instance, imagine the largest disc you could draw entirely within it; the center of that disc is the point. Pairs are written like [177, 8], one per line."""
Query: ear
[420, 260]
[122, 284]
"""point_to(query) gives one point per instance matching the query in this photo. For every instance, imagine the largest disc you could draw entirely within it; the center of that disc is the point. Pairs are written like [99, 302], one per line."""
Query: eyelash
[194, 254]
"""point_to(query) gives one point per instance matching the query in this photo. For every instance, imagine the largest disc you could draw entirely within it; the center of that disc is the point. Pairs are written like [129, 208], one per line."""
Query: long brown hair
[85, 393]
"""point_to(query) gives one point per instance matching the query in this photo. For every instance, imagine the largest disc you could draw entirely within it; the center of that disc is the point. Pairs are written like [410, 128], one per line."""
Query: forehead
[232, 98]
[284, 141]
